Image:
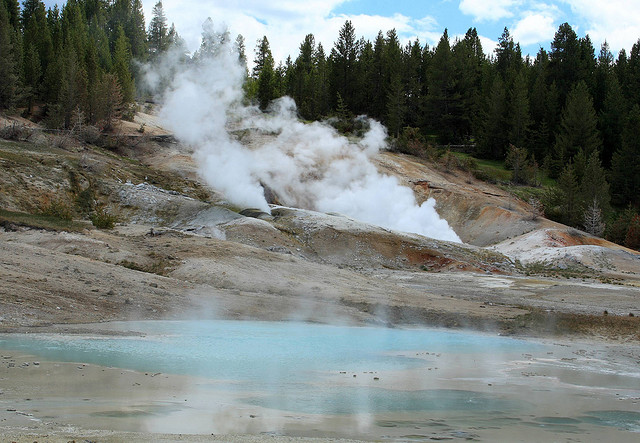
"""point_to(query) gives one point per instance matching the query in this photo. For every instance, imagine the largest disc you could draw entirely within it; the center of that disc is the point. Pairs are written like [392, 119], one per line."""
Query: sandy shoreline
[63, 401]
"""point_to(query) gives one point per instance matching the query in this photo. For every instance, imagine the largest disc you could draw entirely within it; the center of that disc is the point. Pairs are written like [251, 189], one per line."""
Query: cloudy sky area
[286, 22]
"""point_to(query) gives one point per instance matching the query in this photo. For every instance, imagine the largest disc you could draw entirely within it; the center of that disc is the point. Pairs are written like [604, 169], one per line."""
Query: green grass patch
[487, 170]
[526, 193]
[41, 221]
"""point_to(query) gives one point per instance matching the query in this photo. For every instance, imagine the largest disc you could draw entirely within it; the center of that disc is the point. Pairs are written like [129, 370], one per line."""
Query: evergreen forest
[566, 122]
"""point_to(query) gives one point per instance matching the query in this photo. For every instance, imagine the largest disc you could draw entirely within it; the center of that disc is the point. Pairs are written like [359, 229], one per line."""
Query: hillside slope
[180, 250]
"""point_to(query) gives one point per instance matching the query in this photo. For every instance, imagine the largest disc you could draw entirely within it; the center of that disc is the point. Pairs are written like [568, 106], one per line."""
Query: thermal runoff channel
[309, 166]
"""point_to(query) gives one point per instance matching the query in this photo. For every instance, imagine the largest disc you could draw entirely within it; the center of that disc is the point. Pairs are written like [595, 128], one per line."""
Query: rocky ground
[179, 249]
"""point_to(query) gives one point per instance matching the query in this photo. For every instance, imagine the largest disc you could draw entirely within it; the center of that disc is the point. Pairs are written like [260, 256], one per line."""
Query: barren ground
[179, 251]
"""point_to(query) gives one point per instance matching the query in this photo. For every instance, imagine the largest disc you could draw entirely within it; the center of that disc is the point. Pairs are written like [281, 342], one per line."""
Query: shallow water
[438, 382]
[261, 351]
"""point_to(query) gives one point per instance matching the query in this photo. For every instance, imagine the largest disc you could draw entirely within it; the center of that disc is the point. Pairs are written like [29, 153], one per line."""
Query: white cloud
[616, 21]
[286, 23]
[488, 45]
[488, 10]
[534, 28]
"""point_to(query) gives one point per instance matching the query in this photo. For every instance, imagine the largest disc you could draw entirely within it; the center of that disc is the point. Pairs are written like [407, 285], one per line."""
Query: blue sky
[285, 22]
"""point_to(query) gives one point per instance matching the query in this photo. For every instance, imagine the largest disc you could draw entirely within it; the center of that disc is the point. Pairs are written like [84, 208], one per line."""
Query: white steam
[307, 165]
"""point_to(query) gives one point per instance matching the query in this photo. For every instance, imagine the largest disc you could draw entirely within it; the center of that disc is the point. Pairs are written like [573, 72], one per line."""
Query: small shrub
[450, 161]
[132, 265]
[88, 134]
[412, 142]
[632, 239]
[56, 207]
[616, 230]
[85, 201]
[62, 141]
[536, 209]
[129, 112]
[15, 132]
[524, 170]
[102, 219]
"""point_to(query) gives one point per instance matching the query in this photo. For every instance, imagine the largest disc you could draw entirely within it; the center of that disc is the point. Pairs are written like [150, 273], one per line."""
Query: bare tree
[536, 209]
[593, 223]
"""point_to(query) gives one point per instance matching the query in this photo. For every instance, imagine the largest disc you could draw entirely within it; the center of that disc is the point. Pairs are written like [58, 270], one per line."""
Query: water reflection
[348, 381]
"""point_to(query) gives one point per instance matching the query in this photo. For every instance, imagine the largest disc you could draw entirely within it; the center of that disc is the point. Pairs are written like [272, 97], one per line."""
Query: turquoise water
[284, 362]
[251, 351]
[483, 381]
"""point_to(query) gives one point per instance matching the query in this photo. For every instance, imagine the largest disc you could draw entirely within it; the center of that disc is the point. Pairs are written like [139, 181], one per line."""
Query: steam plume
[308, 165]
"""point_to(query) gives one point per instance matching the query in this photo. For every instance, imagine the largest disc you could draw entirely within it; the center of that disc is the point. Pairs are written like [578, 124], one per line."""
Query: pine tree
[240, 48]
[569, 196]
[262, 53]
[508, 57]
[587, 64]
[343, 61]
[611, 118]
[321, 82]
[469, 61]
[75, 32]
[578, 127]
[303, 77]
[493, 136]
[519, 119]
[517, 160]
[158, 35]
[13, 13]
[616, 231]
[101, 43]
[553, 108]
[129, 15]
[443, 100]
[264, 72]
[110, 102]
[73, 91]
[604, 72]
[37, 52]
[632, 239]
[53, 78]
[594, 185]
[8, 74]
[564, 60]
[31, 72]
[393, 84]
[396, 106]
[625, 166]
[29, 8]
[374, 79]
[121, 63]
[621, 68]
[633, 75]
[413, 79]
[213, 41]
[178, 42]
[136, 31]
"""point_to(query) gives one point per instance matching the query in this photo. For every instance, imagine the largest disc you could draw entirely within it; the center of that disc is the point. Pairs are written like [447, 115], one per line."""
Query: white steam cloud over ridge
[309, 166]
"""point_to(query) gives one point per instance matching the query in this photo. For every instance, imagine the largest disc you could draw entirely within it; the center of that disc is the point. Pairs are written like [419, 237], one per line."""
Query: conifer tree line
[568, 112]
[572, 112]
[77, 64]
